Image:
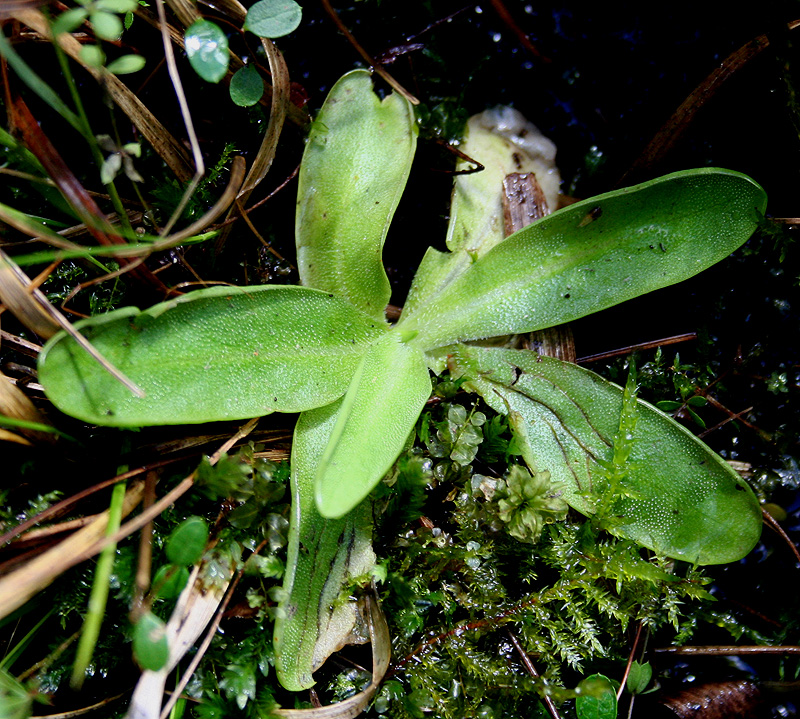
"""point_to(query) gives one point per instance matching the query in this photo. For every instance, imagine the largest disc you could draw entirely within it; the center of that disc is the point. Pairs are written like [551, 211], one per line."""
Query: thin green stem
[99, 594]
[97, 155]
[12, 655]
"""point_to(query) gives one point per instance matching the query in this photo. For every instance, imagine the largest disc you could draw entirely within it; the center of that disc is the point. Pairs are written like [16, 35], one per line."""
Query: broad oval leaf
[594, 254]
[126, 64]
[118, 6]
[354, 169]
[106, 25]
[187, 541]
[384, 400]
[215, 354]
[207, 50]
[69, 20]
[170, 581]
[597, 698]
[247, 87]
[273, 18]
[92, 55]
[324, 556]
[688, 504]
[150, 644]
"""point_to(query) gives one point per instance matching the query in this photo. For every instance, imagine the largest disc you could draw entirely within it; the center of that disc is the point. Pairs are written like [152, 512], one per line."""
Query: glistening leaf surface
[323, 557]
[594, 254]
[384, 400]
[688, 503]
[216, 354]
[504, 143]
[354, 169]
[207, 50]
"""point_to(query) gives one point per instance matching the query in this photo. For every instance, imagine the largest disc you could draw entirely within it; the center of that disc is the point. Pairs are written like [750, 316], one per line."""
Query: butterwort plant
[324, 348]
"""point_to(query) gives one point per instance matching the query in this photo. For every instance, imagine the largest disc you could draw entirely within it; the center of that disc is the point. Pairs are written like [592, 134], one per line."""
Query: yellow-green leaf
[220, 353]
[685, 501]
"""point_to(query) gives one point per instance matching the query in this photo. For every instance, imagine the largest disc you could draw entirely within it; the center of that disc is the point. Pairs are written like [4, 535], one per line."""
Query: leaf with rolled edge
[215, 354]
[686, 502]
[504, 142]
[323, 558]
[592, 255]
[382, 404]
[354, 169]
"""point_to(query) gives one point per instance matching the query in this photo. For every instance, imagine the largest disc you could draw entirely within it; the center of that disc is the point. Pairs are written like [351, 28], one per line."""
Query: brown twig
[716, 403]
[526, 660]
[524, 40]
[64, 504]
[731, 418]
[366, 56]
[726, 651]
[478, 167]
[773, 524]
[673, 130]
[168, 499]
[630, 661]
[675, 339]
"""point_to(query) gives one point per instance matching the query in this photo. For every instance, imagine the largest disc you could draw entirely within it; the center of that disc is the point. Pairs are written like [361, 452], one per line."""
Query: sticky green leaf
[354, 169]
[150, 646]
[126, 64]
[323, 557]
[207, 50]
[685, 501]
[247, 87]
[273, 18]
[382, 404]
[504, 143]
[187, 541]
[597, 698]
[594, 254]
[219, 353]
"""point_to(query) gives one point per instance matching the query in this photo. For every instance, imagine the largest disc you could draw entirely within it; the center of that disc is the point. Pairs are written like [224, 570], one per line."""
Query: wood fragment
[523, 203]
[719, 700]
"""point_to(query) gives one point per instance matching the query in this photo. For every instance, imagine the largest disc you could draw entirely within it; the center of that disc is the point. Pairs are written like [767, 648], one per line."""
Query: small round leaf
[187, 541]
[107, 26]
[170, 581]
[273, 18]
[93, 56]
[597, 698]
[118, 6]
[247, 87]
[69, 20]
[207, 49]
[150, 645]
[126, 64]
